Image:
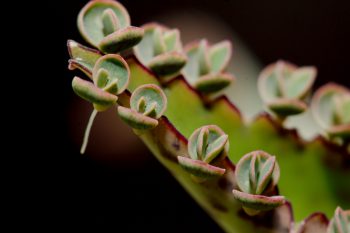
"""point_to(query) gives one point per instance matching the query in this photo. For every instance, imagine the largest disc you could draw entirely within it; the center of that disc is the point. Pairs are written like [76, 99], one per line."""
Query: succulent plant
[206, 64]
[283, 87]
[161, 50]
[190, 133]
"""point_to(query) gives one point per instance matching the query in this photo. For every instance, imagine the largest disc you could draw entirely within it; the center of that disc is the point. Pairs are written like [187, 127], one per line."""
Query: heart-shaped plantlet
[283, 87]
[206, 145]
[105, 24]
[331, 109]
[257, 173]
[340, 223]
[147, 104]
[111, 77]
[161, 50]
[206, 64]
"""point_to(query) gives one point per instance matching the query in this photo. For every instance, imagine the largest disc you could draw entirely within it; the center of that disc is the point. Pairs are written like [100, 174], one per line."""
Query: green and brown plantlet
[222, 160]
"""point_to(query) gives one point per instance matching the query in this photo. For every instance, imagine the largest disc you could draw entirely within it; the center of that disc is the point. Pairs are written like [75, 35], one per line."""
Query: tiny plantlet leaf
[215, 148]
[299, 82]
[82, 57]
[172, 40]
[283, 87]
[330, 108]
[147, 104]
[153, 96]
[258, 202]
[211, 83]
[339, 223]
[265, 174]
[88, 91]
[207, 142]
[135, 119]
[110, 22]
[202, 142]
[199, 168]
[161, 50]
[287, 107]
[203, 59]
[92, 20]
[220, 55]
[121, 40]
[111, 72]
[316, 222]
[167, 63]
[255, 171]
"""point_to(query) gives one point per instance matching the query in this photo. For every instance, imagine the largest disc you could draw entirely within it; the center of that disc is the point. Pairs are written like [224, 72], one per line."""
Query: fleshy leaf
[315, 223]
[88, 91]
[255, 170]
[287, 107]
[210, 140]
[167, 63]
[212, 83]
[269, 81]
[82, 57]
[300, 82]
[121, 40]
[265, 174]
[172, 40]
[339, 223]
[113, 68]
[215, 148]
[330, 106]
[219, 55]
[110, 22]
[135, 119]
[90, 19]
[203, 59]
[199, 168]
[258, 202]
[159, 44]
[151, 94]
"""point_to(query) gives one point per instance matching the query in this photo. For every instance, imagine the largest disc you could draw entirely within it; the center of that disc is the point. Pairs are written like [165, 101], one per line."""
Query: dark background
[76, 191]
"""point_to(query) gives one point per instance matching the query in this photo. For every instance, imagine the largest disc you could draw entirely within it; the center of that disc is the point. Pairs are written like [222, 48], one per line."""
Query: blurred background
[118, 185]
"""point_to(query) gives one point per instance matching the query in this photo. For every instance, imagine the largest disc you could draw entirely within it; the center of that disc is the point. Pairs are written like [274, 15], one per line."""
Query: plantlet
[161, 50]
[206, 65]
[224, 162]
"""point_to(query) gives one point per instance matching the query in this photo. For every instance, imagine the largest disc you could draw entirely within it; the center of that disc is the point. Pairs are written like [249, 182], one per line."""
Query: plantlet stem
[87, 131]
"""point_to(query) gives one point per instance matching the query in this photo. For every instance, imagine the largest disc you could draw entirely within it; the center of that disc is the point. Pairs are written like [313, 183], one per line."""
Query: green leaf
[88, 91]
[82, 57]
[110, 22]
[91, 18]
[121, 40]
[172, 40]
[136, 120]
[258, 202]
[265, 174]
[213, 83]
[215, 148]
[151, 94]
[167, 63]
[109, 69]
[287, 107]
[220, 55]
[300, 82]
[200, 168]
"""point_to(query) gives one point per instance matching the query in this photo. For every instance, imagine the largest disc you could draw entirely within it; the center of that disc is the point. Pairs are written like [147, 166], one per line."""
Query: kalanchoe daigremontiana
[257, 173]
[206, 145]
[331, 108]
[110, 77]
[147, 104]
[340, 223]
[206, 64]
[283, 87]
[105, 24]
[161, 50]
